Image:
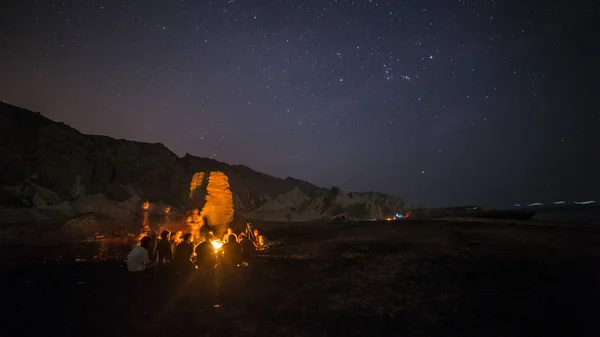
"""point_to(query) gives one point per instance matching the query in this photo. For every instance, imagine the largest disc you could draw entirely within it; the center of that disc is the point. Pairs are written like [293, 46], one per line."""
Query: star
[413, 78]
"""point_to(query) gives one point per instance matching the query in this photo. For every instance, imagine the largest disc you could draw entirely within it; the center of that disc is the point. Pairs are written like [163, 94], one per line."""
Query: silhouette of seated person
[183, 254]
[138, 260]
[232, 252]
[153, 246]
[205, 251]
[247, 248]
[228, 234]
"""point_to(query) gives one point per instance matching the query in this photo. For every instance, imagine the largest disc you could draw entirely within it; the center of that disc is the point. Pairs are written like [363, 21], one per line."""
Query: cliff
[52, 171]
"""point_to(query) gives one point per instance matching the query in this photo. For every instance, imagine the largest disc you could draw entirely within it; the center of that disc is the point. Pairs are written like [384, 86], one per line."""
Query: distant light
[536, 204]
[517, 205]
[558, 202]
[585, 202]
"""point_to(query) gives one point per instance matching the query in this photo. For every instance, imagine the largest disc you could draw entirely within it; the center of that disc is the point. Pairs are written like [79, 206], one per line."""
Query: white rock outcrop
[296, 206]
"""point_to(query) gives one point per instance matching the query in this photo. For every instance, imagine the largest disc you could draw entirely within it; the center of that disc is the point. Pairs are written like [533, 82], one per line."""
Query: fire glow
[217, 244]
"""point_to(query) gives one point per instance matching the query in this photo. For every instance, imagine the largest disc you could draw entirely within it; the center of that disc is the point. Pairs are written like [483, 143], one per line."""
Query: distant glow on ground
[558, 202]
[585, 202]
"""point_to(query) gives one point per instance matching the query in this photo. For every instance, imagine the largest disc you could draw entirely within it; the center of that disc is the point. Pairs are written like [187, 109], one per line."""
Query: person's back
[165, 251]
[204, 254]
[183, 254]
[247, 249]
[138, 259]
[233, 252]
[227, 236]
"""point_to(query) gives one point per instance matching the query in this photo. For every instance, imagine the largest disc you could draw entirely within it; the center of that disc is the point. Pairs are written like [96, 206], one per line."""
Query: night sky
[439, 102]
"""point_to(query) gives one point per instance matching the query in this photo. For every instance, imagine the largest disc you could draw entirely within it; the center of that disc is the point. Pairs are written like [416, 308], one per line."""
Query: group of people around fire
[183, 252]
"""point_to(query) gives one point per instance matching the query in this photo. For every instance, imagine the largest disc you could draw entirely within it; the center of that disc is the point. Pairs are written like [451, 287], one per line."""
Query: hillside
[52, 171]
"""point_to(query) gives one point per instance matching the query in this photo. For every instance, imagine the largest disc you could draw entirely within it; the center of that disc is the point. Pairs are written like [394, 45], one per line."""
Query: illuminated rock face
[197, 190]
[107, 176]
[218, 209]
[210, 193]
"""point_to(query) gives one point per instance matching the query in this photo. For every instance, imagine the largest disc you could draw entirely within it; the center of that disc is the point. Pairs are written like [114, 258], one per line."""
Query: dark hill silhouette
[46, 163]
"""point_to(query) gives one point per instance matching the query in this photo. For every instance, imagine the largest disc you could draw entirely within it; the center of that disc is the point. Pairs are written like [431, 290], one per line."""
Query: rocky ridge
[52, 171]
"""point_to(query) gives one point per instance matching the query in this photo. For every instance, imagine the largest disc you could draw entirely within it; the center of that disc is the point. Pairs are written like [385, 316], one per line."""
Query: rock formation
[218, 209]
[197, 190]
[52, 171]
[211, 201]
[295, 206]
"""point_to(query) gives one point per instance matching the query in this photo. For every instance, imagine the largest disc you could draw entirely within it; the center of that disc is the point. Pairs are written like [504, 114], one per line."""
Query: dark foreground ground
[408, 278]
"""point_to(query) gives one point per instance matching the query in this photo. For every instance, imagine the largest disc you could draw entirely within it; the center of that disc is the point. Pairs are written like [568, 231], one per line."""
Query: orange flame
[217, 244]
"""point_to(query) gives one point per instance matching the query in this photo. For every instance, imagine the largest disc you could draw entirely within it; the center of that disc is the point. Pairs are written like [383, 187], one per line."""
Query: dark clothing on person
[153, 247]
[205, 254]
[232, 253]
[227, 235]
[248, 250]
[165, 251]
[183, 256]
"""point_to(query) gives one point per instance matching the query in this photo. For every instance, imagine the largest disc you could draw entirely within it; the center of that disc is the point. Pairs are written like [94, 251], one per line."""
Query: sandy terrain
[411, 278]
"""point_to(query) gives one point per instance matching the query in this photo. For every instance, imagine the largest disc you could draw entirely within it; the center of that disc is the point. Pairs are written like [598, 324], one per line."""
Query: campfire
[217, 244]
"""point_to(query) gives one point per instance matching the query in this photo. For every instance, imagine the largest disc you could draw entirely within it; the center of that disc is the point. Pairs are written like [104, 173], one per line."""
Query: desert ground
[405, 278]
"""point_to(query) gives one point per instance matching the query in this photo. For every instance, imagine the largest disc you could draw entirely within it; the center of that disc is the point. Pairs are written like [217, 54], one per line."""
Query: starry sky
[440, 102]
